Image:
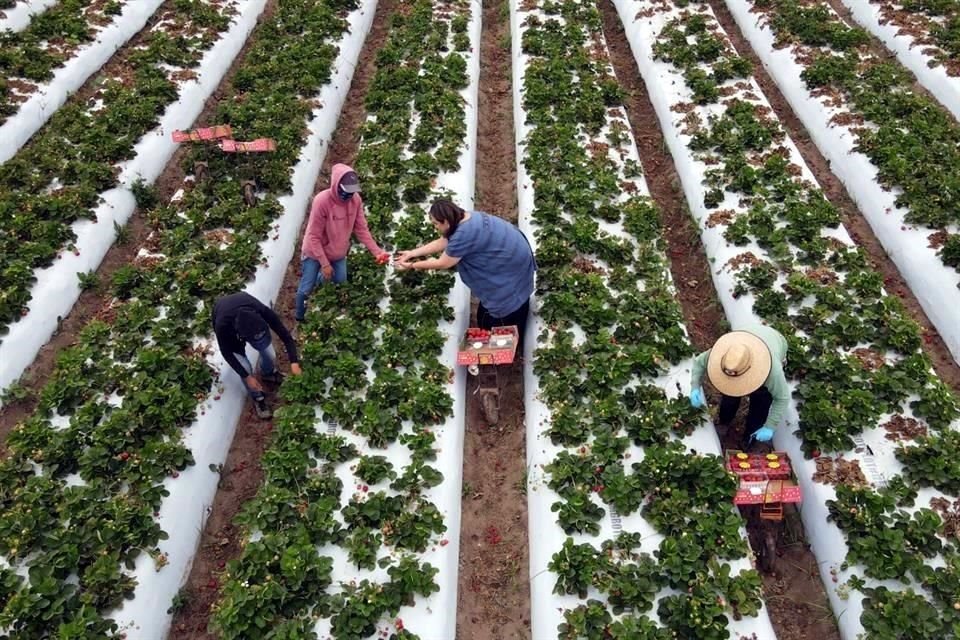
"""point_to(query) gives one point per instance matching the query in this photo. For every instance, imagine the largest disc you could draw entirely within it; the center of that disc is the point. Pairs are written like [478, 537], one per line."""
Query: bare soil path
[494, 591]
[243, 474]
[794, 596]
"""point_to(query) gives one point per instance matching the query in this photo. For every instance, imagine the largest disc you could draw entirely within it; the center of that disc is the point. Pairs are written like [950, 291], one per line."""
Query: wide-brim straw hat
[738, 364]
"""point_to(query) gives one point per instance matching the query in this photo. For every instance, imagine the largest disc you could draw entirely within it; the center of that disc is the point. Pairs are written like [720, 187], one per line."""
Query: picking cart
[220, 136]
[482, 351]
[767, 482]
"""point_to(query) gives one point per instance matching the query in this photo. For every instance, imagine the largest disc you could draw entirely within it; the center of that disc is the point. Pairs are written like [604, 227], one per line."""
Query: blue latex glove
[763, 434]
[697, 399]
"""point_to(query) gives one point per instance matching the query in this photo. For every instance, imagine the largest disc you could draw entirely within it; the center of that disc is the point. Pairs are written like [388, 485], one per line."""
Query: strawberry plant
[701, 611]
[362, 545]
[589, 620]
[891, 614]
[373, 469]
[933, 461]
[897, 546]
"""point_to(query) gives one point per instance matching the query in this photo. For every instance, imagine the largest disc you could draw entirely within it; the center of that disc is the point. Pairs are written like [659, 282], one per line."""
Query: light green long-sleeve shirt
[776, 382]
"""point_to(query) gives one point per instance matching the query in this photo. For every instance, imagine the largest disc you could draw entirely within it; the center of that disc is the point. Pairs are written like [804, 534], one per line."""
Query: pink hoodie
[333, 221]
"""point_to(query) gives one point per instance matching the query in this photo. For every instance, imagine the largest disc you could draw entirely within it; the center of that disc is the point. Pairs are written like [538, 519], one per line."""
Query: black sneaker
[263, 409]
[273, 378]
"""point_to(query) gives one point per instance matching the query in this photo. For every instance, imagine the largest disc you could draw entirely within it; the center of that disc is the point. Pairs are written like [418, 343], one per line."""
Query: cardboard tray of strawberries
[764, 478]
[488, 346]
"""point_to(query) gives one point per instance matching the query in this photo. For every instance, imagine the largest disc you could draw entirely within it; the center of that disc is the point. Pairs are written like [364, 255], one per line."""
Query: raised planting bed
[354, 531]
[896, 151]
[859, 376]
[68, 193]
[924, 35]
[635, 533]
[105, 489]
[15, 15]
[54, 55]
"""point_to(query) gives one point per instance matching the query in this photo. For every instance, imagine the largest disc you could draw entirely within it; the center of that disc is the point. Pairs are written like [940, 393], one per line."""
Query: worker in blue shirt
[492, 256]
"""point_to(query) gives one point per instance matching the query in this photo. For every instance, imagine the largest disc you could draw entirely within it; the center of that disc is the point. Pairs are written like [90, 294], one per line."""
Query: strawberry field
[132, 502]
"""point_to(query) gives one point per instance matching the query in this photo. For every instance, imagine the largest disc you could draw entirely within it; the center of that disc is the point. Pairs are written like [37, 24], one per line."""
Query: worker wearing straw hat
[747, 362]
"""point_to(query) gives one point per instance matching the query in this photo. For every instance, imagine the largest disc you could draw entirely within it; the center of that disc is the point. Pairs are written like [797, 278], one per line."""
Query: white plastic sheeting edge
[57, 287]
[875, 454]
[32, 114]
[931, 74]
[433, 617]
[184, 512]
[933, 283]
[19, 16]
[547, 607]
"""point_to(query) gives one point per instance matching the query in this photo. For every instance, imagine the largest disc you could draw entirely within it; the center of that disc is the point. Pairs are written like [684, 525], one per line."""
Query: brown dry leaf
[902, 428]
[837, 471]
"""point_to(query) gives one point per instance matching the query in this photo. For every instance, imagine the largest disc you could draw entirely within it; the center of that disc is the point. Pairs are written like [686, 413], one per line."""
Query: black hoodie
[225, 312]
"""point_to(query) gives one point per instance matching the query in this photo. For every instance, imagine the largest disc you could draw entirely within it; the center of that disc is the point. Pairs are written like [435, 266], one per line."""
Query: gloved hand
[697, 399]
[763, 434]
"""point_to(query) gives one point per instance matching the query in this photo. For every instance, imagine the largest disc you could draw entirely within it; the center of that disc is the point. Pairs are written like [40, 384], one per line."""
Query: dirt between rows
[493, 597]
[794, 594]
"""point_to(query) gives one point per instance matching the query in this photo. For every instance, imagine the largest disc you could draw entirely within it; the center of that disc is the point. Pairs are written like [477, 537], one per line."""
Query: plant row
[354, 503]
[924, 35]
[913, 142]
[86, 473]
[932, 25]
[31, 56]
[854, 353]
[58, 177]
[878, 133]
[610, 334]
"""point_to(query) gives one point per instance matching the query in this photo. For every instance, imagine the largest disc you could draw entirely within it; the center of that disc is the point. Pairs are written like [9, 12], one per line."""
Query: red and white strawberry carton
[764, 477]
[488, 346]
[204, 134]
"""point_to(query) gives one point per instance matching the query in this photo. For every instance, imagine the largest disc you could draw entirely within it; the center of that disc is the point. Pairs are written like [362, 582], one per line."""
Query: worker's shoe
[263, 409]
[273, 378]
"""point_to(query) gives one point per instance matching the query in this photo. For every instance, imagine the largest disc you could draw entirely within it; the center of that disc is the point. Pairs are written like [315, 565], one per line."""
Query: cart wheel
[768, 552]
[490, 401]
[250, 192]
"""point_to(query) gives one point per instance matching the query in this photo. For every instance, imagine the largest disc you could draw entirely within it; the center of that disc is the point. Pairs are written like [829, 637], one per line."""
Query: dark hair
[445, 211]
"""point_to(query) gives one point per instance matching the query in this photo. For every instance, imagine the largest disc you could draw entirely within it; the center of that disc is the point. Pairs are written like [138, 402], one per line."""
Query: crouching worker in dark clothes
[240, 319]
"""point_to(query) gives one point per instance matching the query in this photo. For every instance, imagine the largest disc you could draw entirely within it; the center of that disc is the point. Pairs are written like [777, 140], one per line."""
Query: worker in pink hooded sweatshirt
[336, 215]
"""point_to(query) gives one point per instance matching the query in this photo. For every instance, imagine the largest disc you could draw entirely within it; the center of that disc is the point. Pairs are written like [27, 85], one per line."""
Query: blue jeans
[267, 365]
[312, 276]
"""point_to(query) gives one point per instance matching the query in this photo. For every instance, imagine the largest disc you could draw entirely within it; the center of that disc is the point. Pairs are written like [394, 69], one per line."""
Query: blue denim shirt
[496, 262]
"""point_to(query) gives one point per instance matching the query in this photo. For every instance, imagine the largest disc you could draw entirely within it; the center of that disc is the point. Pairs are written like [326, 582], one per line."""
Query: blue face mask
[343, 194]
